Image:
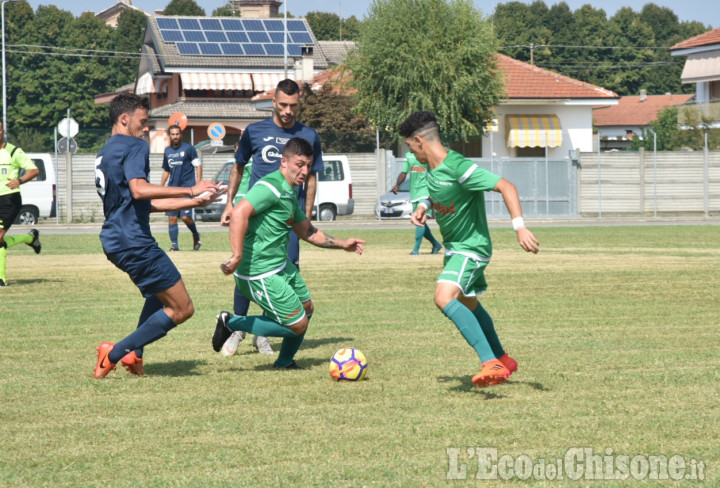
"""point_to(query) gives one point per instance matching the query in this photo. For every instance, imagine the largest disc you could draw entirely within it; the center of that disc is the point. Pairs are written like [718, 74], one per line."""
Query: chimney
[643, 95]
[307, 63]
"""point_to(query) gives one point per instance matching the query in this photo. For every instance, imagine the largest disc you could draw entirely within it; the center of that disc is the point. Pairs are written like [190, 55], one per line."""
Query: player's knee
[300, 327]
[184, 313]
[442, 299]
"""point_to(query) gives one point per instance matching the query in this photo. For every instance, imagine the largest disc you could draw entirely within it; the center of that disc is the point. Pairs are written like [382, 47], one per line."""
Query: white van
[39, 194]
[333, 195]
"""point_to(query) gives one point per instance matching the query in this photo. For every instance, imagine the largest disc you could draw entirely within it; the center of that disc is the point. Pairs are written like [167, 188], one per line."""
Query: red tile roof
[705, 39]
[525, 81]
[632, 111]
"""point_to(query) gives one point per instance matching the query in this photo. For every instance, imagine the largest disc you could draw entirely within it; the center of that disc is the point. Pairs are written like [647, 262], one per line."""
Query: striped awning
[533, 131]
[216, 81]
[701, 67]
[268, 81]
[145, 85]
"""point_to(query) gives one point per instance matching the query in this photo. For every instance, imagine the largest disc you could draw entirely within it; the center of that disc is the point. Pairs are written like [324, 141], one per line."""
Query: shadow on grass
[490, 393]
[174, 368]
[33, 281]
[307, 344]
[303, 362]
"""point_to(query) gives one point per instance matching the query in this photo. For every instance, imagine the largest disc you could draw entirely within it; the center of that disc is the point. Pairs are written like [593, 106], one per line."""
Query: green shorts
[466, 271]
[280, 294]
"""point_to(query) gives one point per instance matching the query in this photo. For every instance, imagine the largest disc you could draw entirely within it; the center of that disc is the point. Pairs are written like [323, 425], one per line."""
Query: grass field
[615, 330]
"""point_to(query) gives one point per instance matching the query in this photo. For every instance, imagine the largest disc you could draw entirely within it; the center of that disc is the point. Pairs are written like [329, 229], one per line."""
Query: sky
[686, 10]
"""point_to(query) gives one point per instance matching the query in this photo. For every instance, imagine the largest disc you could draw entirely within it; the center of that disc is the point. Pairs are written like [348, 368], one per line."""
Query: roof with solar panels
[228, 42]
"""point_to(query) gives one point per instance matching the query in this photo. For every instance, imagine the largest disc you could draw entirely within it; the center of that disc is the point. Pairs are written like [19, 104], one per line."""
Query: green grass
[615, 330]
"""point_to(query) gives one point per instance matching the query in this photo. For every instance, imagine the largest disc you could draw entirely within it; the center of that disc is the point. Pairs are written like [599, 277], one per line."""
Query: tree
[331, 114]
[435, 55]
[325, 26]
[227, 10]
[184, 7]
[127, 40]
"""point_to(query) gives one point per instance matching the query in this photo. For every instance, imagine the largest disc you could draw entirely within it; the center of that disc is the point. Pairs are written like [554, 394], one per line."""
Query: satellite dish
[179, 119]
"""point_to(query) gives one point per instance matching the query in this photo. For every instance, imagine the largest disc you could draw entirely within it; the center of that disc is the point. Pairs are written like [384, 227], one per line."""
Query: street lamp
[4, 76]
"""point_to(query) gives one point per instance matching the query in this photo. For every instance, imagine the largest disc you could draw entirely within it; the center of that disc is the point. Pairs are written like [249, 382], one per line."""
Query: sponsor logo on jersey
[271, 154]
[294, 313]
[269, 138]
[444, 209]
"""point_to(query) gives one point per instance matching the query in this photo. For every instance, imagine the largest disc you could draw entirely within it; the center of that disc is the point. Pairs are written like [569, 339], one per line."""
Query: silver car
[394, 206]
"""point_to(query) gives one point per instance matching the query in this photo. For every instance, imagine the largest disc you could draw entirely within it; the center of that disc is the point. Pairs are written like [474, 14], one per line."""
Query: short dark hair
[297, 146]
[418, 121]
[288, 87]
[174, 126]
[127, 103]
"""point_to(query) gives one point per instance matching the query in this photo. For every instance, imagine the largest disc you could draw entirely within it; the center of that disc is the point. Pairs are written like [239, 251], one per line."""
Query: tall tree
[184, 7]
[326, 26]
[227, 10]
[426, 55]
[127, 39]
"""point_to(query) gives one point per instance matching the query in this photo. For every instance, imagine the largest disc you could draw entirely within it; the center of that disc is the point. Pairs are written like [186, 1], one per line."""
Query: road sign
[68, 127]
[216, 131]
[66, 144]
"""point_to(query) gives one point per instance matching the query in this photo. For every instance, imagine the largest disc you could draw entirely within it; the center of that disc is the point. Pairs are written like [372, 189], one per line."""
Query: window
[530, 152]
[333, 172]
[40, 165]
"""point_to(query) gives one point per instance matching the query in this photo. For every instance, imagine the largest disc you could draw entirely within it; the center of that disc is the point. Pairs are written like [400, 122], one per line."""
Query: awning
[268, 81]
[145, 85]
[216, 81]
[701, 67]
[533, 131]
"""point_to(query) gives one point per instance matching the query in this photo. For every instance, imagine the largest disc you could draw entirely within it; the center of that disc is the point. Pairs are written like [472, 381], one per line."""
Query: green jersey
[244, 183]
[12, 159]
[416, 171]
[457, 189]
[276, 209]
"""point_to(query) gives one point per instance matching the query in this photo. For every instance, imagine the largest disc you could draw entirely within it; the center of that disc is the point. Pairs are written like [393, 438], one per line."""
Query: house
[617, 125]
[111, 14]
[542, 111]
[702, 67]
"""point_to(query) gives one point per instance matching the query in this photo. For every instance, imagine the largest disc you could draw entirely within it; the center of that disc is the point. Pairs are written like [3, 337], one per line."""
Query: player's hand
[209, 196]
[229, 266]
[527, 240]
[395, 189]
[354, 245]
[225, 217]
[419, 216]
[203, 186]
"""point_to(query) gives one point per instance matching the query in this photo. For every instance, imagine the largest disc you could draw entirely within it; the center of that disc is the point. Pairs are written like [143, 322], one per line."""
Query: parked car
[39, 194]
[392, 206]
[333, 196]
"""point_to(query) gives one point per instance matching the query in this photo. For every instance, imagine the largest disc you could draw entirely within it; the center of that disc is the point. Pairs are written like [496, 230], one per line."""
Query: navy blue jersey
[127, 221]
[181, 164]
[265, 141]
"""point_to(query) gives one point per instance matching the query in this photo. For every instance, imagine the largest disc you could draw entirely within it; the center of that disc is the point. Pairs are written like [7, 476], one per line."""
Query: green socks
[486, 322]
[260, 326]
[3, 261]
[18, 239]
[470, 329]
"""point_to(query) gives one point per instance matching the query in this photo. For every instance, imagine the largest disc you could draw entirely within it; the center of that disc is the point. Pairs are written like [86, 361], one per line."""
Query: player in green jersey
[457, 186]
[260, 226]
[418, 193]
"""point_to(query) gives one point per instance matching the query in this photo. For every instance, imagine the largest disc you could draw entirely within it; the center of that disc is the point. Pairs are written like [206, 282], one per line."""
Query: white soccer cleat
[263, 345]
[231, 344]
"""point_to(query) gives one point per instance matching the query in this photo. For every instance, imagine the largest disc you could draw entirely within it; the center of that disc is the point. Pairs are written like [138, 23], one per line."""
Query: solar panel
[188, 48]
[234, 37]
[216, 36]
[274, 49]
[210, 48]
[194, 36]
[167, 23]
[232, 49]
[172, 35]
[254, 49]
[274, 25]
[211, 24]
[189, 24]
[258, 37]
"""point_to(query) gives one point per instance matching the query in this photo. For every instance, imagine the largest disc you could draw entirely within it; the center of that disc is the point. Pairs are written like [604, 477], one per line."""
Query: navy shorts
[149, 268]
[188, 212]
[9, 209]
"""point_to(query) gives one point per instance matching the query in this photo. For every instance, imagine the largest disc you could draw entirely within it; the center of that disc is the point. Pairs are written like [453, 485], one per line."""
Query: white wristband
[518, 223]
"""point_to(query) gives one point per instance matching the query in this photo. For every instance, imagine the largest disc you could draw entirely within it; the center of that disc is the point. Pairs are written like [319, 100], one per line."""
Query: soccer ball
[348, 364]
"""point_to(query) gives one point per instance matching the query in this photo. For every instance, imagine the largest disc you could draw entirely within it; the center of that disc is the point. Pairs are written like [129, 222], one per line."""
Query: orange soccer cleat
[133, 363]
[493, 373]
[104, 366]
[509, 363]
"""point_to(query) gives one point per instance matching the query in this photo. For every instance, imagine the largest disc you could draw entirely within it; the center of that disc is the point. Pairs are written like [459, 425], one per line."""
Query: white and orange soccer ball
[348, 364]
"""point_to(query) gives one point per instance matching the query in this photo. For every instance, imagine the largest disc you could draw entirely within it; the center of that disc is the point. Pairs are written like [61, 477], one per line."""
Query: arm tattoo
[329, 240]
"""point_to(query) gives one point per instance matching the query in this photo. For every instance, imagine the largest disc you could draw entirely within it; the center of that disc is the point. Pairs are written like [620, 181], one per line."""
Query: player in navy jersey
[180, 163]
[122, 172]
[264, 143]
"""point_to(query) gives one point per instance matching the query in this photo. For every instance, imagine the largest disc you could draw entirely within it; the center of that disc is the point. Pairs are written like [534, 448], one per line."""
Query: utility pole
[532, 53]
